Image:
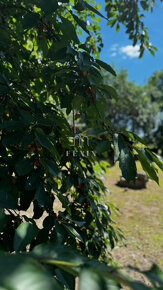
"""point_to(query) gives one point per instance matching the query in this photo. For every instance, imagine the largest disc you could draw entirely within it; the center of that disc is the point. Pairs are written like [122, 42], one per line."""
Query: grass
[141, 220]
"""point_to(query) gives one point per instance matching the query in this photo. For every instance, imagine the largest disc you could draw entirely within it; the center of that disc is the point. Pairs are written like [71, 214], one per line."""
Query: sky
[118, 49]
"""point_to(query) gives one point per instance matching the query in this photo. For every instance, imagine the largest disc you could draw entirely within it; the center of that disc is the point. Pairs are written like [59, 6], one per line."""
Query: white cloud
[113, 54]
[114, 47]
[130, 51]
[124, 51]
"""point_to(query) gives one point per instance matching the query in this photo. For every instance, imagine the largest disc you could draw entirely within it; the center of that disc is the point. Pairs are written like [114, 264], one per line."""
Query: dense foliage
[46, 74]
[131, 13]
[155, 91]
[133, 107]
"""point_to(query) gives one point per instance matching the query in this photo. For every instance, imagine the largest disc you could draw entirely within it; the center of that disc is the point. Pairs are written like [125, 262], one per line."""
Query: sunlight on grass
[141, 219]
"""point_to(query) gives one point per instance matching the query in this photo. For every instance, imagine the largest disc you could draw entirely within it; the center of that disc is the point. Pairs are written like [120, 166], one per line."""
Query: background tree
[132, 107]
[155, 91]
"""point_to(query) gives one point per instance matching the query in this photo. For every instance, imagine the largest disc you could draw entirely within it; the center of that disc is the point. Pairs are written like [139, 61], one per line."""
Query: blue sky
[118, 48]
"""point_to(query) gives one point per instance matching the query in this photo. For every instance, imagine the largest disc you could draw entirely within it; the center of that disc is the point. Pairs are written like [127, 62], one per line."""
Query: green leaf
[30, 20]
[7, 201]
[103, 146]
[94, 76]
[108, 90]
[147, 165]
[20, 272]
[52, 167]
[116, 147]
[8, 198]
[3, 220]
[126, 160]
[50, 7]
[79, 223]
[117, 27]
[12, 125]
[44, 140]
[94, 10]
[5, 36]
[28, 118]
[134, 137]
[48, 222]
[106, 66]
[41, 195]
[91, 279]
[24, 166]
[67, 279]
[94, 132]
[37, 210]
[58, 253]
[144, 5]
[4, 89]
[81, 23]
[112, 22]
[68, 30]
[155, 159]
[32, 181]
[80, 5]
[73, 232]
[12, 138]
[24, 235]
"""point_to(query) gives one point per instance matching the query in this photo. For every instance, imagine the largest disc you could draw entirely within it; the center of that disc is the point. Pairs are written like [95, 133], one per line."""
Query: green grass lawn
[141, 220]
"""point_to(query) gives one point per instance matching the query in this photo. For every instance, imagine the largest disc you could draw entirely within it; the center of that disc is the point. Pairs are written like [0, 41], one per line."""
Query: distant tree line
[138, 108]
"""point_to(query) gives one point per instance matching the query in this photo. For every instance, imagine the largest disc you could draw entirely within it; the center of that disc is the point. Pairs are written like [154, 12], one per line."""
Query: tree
[154, 90]
[45, 70]
[132, 107]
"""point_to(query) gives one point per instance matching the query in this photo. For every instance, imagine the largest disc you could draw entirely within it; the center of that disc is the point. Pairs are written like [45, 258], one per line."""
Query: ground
[141, 220]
